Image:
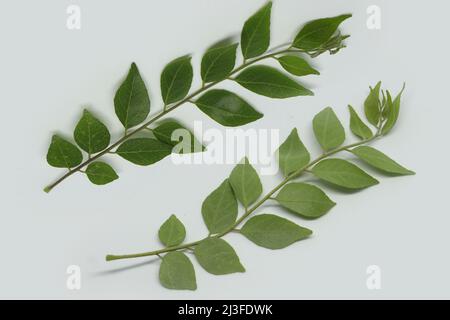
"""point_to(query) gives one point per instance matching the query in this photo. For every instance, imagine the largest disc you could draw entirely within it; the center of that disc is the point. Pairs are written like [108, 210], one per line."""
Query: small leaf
[328, 129]
[172, 232]
[304, 199]
[173, 133]
[177, 272]
[292, 154]
[144, 151]
[218, 62]
[255, 36]
[357, 126]
[131, 101]
[245, 182]
[100, 173]
[63, 154]
[392, 112]
[380, 161]
[273, 232]
[216, 256]
[176, 80]
[227, 108]
[220, 209]
[372, 105]
[270, 82]
[343, 173]
[296, 65]
[317, 32]
[90, 134]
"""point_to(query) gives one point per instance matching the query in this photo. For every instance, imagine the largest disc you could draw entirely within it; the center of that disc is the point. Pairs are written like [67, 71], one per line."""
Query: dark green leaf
[218, 62]
[144, 151]
[255, 36]
[372, 105]
[296, 65]
[216, 256]
[172, 232]
[63, 154]
[343, 173]
[220, 209]
[177, 272]
[176, 80]
[131, 101]
[317, 32]
[270, 82]
[292, 154]
[245, 182]
[90, 134]
[100, 173]
[392, 112]
[305, 200]
[173, 133]
[227, 108]
[379, 160]
[273, 232]
[328, 129]
[357, 126]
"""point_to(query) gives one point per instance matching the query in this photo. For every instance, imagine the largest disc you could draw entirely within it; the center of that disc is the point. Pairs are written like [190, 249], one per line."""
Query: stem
[161, 114]
[250, 210]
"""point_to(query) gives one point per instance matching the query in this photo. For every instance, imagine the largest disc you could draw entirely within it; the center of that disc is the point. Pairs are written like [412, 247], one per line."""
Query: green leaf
[304, 199]
[175, 134]
[177, 272]
[131, 101]
[172, 232]
[220, 209]
[144, 151]
[292, 154]
[273, 232]
[392, 112]
[372, 105]
[380, 161]
[176, 80]
[357, 126]
[317, 32]
[100, 173]
[343, 173]
[328, 129]
[227, 108]
[218, 62]
[245, 182]
[296, 65]
[90, 134]
[270, 82]
[255, 36]
[63, 154]
[216, 256]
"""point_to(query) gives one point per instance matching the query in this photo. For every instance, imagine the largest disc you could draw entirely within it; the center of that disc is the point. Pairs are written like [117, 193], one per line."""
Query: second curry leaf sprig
[220, 208]
[132, 102]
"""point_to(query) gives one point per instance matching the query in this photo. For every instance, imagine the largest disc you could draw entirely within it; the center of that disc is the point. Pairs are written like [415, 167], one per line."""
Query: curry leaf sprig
[220, 208]
[132, 102]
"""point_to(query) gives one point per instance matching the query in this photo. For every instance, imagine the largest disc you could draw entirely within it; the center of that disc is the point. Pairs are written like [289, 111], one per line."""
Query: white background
[48, 73]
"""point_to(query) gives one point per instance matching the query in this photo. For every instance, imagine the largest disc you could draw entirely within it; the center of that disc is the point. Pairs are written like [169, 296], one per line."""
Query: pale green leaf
[380, 161]
[177, 272]
[273, 232]
[131, 101]
[328, 129]
[255, 36]
[144, 151]
[216, 256]
[63, 154]
[245, 182]
[372, 106]
[357, 126]
[176, 79]
[172, 232]
[292, 154]
[91, 134]
[220, 208]
[296, 65]
[343, 173]
[100, 173]
[393, 110]
[305, 200]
